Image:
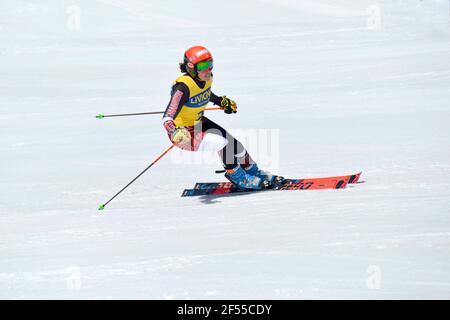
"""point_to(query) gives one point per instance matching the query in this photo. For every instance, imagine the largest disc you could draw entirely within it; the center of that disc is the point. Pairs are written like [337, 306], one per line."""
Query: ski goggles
[204, 65]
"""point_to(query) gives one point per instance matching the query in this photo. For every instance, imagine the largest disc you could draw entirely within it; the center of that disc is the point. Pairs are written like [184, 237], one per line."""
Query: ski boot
[269, 180]
[243, 180]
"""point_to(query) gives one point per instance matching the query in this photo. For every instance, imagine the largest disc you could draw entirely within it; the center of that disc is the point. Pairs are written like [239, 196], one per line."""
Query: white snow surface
[340, 96]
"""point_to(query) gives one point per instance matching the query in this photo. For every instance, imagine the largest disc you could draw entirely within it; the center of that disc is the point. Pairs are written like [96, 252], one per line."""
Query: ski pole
[101, 116]
[102, 206]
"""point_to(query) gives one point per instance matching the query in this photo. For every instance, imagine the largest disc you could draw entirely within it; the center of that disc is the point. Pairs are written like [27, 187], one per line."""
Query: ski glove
[181, 136]
[228, 105]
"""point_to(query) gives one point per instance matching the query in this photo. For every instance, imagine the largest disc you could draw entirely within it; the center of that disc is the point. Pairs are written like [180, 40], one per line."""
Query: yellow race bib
[192, 111]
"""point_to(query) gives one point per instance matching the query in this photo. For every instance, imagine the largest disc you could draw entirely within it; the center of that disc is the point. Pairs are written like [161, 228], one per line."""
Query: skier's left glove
[181, 137]
[228, 105]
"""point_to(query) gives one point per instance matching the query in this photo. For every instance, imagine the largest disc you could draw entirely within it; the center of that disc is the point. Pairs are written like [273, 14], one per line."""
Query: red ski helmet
[194, 55]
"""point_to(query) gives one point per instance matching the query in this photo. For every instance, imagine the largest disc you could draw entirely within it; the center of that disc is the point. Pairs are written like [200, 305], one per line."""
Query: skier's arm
[215, 99]
[228, 105]
[179, 96]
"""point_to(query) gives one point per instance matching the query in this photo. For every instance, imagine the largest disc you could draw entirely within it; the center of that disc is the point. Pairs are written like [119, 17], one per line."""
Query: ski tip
[102, 207]
[355, 178]
[100, 116]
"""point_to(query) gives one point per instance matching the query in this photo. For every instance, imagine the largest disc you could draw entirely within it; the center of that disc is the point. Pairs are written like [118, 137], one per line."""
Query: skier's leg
[231, 151]
[232, 154]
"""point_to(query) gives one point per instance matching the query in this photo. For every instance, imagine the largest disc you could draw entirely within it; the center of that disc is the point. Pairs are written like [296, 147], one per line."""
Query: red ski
[313, 183]
[338, 182]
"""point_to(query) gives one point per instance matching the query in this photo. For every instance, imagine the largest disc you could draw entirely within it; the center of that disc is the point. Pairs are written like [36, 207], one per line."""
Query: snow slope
[337, 86]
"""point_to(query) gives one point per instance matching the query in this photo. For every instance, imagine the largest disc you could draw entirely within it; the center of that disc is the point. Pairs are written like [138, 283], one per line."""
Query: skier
[187, 127]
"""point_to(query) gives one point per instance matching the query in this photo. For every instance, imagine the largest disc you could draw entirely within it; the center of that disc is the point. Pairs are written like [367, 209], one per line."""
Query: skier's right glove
[228, 105]
[181, 136]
